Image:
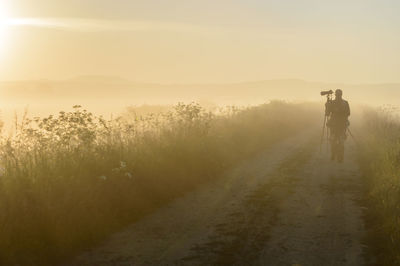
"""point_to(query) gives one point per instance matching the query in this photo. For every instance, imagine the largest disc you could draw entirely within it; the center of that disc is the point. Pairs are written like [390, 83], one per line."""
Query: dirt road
[287, 206]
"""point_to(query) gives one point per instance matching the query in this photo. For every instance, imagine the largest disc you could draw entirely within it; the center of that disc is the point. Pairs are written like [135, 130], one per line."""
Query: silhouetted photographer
[337, 112]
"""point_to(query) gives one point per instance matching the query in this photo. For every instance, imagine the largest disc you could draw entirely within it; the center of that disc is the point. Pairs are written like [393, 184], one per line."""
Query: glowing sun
[4, 21]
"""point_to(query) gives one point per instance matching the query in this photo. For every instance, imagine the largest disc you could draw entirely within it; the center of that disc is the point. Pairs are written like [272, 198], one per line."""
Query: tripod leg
[328, 138]
[323, 134]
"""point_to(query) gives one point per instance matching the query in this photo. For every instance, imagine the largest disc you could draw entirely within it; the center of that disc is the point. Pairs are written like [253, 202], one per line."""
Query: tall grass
[380, 161]
[69, 180]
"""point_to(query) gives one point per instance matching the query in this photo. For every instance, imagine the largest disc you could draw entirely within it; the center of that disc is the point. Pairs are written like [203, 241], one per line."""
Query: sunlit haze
[3, 27]
[201, 41]
[199, 132]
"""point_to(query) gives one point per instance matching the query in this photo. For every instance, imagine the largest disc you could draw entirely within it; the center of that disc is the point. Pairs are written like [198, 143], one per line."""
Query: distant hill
[113, 88]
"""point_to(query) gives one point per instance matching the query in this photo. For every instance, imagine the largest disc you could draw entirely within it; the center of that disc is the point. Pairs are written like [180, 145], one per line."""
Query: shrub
[380, 162]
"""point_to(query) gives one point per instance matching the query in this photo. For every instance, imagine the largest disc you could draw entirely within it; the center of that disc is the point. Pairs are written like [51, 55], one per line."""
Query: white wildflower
[103, 177]
[129, 175]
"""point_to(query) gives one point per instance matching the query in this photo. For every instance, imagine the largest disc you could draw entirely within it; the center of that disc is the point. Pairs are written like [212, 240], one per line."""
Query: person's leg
[333, 150]
[342, 139]
[333, 140]
[340, 150]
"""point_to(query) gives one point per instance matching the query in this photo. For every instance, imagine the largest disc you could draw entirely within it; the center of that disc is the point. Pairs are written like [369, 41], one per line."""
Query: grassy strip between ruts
[379, 157]
[69, 180]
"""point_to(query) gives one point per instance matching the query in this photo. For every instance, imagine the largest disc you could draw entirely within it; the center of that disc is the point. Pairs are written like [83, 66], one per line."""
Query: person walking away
[338, 111]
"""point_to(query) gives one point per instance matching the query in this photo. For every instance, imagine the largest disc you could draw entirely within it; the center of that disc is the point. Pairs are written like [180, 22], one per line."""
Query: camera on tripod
[323, 93]
[328, 95]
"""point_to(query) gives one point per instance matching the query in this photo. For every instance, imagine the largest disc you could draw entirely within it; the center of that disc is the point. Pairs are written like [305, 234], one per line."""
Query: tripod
[324, 126]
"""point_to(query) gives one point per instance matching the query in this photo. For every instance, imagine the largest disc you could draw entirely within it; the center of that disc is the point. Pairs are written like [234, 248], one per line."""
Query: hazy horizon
[204, 82]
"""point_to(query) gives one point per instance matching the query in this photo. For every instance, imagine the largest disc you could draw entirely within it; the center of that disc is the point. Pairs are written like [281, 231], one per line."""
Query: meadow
[379, 156]
[69, 180]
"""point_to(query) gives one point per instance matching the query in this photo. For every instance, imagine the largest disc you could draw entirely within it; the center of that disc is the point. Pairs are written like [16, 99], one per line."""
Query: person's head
[338, 94]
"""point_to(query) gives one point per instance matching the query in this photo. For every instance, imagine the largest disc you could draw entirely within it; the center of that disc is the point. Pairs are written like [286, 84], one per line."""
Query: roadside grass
[67, 181]
[380, 162]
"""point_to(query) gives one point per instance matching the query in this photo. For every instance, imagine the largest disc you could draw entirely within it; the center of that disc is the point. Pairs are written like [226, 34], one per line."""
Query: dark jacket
[339, 111]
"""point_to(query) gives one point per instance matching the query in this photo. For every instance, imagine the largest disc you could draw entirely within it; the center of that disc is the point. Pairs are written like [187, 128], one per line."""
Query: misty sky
[352, 41]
